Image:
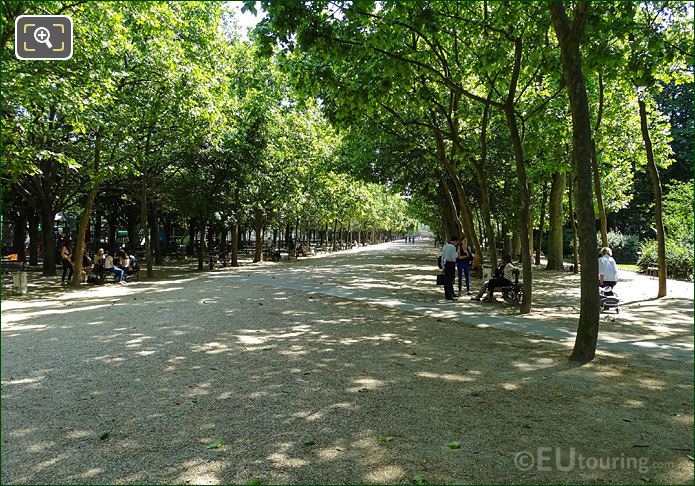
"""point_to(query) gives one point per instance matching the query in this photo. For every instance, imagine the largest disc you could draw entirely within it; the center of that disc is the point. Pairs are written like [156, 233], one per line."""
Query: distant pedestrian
[66, 258]
[449, 256]
[607, 269]
[463, 265]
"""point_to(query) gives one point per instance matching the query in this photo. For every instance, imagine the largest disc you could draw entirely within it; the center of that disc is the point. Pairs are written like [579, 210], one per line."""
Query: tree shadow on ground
[301, 386]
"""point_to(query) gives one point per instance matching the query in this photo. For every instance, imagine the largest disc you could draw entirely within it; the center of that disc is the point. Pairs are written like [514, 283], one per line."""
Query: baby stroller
[609, 299]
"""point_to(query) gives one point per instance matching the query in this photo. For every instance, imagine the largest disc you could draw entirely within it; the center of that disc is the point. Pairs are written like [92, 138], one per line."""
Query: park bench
[97, 275]
[653, 271]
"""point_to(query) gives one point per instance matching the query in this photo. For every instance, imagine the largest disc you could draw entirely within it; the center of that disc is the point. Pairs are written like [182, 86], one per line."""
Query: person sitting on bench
[503, 278]
[109, 267]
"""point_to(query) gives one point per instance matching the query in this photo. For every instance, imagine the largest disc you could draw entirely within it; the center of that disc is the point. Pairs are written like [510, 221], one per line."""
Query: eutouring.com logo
[568, 459]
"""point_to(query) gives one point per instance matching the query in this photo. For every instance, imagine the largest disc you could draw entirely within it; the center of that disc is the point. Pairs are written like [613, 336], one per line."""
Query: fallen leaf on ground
[310, 442]
[385, 438]
[216, 444]
[453, 445]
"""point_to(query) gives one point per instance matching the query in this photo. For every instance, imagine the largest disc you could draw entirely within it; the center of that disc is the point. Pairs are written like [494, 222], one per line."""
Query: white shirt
[108, 262]
[449, 253]
[508, 269]
[608, 268]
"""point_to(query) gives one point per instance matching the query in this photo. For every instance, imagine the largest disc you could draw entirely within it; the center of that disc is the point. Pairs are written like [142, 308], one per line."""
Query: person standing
[607, 269]
[463, 265]
[449, 256]
[66, 257]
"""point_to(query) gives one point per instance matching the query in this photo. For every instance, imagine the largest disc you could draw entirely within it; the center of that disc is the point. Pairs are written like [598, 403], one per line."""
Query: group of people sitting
[120, 263]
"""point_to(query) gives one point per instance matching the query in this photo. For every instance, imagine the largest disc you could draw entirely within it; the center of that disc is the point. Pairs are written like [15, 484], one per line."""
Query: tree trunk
[154, 235]
[482, 184]
[33, 237]
[84, 219]
[168, 228]
[530, 219]
[335, 243]
[80, 244]
[111, 221]
[573, 222]
[133, 227]
[19, 236]
[466, 214]
[259, 220]
[594, 167]
[658, 208]
[235, 245]
[555, 214]
[144, 226]
[524, 213]
[449, 208]
[515, 244]
[524, 191]
[541, 223]
[96, 239]
[201, 245]
[569, 37]
[143, 204]
[192, 230]
[48, 240]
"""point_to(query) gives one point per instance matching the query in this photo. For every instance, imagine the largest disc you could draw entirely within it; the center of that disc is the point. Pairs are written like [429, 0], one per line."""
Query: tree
[569, 37]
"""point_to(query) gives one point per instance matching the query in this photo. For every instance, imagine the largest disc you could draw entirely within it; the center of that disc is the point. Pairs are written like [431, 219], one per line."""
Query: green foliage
[625, 247]
[679, 258]
[678, 212]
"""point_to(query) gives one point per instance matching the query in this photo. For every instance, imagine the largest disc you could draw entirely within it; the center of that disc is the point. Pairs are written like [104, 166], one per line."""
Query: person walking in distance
[449, 255]
[66, 257]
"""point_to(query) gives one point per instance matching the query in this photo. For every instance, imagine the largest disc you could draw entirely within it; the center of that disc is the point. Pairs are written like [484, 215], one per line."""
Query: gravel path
[128, 384]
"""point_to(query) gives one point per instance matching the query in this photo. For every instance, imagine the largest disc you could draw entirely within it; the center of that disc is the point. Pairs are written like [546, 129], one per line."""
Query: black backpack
[439, 262]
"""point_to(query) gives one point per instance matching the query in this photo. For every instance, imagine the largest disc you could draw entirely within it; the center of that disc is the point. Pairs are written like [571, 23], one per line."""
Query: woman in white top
[607, 269]
[110, 267]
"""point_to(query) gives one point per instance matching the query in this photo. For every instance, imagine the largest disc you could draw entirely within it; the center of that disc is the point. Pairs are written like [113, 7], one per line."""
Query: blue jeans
[464, 267]
[116, 271]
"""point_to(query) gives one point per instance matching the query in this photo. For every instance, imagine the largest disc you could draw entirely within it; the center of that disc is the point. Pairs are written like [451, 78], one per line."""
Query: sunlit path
[300, 368]
[401, 276]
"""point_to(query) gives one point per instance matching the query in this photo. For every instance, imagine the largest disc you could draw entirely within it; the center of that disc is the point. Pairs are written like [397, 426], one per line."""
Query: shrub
[625, 247]
[679, 258]
[678, 212]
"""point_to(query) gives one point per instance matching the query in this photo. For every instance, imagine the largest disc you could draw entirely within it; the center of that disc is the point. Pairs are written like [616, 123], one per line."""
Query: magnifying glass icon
[43, 36]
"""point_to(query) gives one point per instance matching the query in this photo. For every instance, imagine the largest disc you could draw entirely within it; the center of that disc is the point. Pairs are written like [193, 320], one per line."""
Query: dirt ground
[130, 384]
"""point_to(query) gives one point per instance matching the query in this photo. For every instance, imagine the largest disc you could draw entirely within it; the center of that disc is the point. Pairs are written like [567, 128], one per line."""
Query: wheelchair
[514, 293]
